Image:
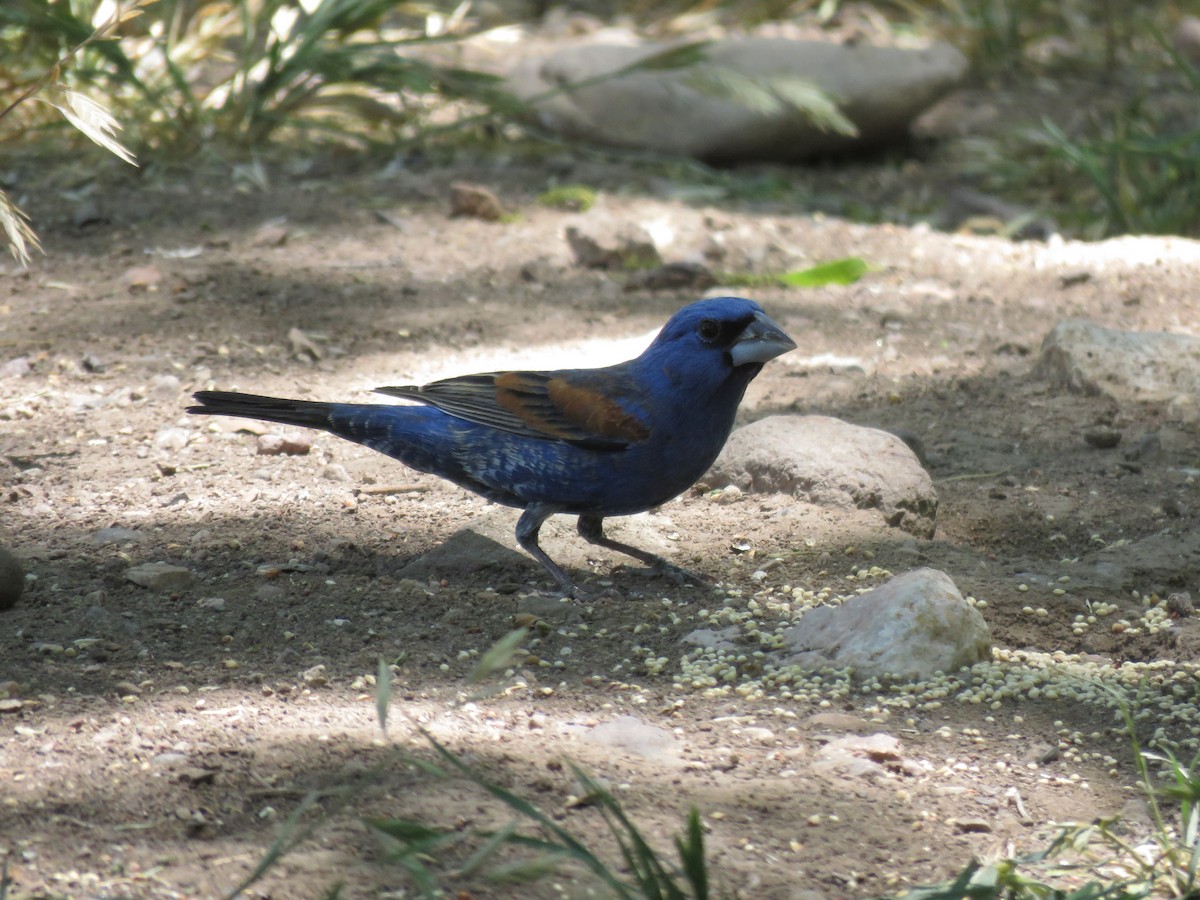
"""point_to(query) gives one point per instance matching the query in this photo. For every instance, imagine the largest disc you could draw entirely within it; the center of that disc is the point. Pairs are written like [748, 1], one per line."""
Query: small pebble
[292, 443]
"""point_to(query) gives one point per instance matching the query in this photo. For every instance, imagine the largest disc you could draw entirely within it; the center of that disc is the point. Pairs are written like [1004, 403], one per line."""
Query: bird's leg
[528, 527]
[591, 529]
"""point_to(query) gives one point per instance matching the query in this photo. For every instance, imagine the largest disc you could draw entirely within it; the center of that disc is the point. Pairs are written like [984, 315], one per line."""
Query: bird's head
[717, 340]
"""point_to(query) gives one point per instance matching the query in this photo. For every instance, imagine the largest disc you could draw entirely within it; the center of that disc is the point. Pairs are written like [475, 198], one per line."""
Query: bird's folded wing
[546, 405]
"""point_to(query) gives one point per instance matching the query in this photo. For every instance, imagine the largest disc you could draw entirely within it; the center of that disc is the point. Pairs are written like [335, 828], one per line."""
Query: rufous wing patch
[561, 410]
[596, 413]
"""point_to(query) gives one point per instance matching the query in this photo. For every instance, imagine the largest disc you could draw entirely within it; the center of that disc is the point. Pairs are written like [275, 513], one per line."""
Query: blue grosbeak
[587, 442]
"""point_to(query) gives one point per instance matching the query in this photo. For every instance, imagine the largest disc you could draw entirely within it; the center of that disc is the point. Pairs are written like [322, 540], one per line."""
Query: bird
[592, 443]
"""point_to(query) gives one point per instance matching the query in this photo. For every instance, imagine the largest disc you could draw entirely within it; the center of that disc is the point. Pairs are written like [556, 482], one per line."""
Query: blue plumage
[587, 442]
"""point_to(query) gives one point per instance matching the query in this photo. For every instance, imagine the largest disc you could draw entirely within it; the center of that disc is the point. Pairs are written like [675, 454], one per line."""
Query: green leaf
[840, 271]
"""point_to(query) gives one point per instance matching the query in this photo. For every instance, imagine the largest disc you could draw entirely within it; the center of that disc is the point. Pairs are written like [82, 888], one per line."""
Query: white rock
[714, 638]
[828, 462]
[165, 386]
[913, 626]
[857, 755]
[1148, 366]
[684, 110]
[172, 438]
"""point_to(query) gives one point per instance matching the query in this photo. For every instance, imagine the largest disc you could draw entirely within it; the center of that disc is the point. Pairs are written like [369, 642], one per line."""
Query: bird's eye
[709, 329]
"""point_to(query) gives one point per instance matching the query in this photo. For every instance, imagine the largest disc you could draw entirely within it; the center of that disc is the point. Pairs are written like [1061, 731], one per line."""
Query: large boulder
[696, 110]
[828, 462]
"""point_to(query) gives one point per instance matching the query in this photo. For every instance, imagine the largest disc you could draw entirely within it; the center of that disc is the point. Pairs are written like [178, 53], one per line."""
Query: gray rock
[117, 535]
[160, 576]
[600, 247]
[172, 438]
[828, 462]
[835, 721]
[1159, 563]
[16, 368]
[914, 625]
[858, 755]
[12, 579]
[631, 734]
[691, 111]
[714, 638]
[336, 472]
[165, 386]
[1148, 366]
[290, 443]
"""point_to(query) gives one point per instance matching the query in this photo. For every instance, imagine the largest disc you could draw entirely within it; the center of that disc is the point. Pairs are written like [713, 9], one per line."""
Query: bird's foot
[573, 591]
[678, 575]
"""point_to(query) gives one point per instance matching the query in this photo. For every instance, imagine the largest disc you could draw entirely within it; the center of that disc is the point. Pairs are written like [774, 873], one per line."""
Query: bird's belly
[582, 481]
[516, 470]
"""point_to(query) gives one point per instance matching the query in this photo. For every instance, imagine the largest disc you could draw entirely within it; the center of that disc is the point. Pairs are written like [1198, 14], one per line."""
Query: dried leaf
[17, 232]
[96, 122]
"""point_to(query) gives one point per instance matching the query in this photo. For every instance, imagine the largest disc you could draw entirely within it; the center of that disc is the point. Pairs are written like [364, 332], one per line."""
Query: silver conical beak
[760, 341]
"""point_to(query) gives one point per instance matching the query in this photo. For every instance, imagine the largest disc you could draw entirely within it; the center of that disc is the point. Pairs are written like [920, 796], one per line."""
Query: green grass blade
[405, 830]
[290, 836]
[653, 877]
[489, 849]
[569, 842]
[529, 869]
[383, 693]
[680, 57]
[498, 657]
[691, 854]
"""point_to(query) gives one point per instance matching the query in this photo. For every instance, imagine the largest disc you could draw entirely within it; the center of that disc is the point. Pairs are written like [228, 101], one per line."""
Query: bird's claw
[677, 575]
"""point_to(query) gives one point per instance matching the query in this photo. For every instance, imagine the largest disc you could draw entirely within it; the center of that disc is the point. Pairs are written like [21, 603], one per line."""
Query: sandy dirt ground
[154, 743]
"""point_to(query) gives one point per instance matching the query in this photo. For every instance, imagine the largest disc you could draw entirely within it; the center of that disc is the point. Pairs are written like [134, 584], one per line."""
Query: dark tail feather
[307, 413]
